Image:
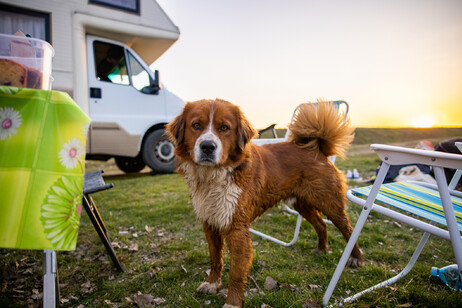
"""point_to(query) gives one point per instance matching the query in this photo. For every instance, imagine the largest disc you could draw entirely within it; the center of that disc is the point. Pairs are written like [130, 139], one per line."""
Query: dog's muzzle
[208, 153]
[208, 147]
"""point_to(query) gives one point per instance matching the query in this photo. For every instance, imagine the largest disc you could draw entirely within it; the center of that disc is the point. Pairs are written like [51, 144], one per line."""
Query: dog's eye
[224, 128]
[196, 126]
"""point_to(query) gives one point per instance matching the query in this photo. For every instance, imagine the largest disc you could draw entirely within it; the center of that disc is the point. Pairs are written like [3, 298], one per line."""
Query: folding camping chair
[439, 204]
[339, 105]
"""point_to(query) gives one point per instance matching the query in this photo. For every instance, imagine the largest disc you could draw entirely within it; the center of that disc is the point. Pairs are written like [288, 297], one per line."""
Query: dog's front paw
[209, 288]
[354, 262]
[229, 306]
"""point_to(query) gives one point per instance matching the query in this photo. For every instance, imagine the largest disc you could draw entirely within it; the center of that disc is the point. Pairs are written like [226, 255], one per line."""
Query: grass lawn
[161, 244]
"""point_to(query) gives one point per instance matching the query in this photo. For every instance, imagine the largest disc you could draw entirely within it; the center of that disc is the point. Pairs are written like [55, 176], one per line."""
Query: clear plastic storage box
[25, 62]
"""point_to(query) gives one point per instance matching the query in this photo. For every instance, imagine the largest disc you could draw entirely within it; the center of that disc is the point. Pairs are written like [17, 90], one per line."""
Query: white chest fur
[213, 192]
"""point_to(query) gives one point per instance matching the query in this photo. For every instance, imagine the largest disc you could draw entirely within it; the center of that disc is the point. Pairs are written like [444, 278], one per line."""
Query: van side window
[110, 63]
[141, 80]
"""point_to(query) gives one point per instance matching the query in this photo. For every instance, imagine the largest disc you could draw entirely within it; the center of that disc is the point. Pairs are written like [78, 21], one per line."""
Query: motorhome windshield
[141, 80]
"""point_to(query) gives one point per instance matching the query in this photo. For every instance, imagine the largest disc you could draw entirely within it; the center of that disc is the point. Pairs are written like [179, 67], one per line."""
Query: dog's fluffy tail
[321, 127]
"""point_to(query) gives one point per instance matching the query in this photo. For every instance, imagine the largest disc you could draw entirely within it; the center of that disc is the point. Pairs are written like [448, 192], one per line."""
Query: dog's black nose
[208, 147]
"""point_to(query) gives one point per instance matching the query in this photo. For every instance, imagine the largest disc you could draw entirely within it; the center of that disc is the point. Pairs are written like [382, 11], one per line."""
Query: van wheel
[158, 152]
[130, 164]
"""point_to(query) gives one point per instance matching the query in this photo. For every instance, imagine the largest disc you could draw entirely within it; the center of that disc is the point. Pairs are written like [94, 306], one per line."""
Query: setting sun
[424, 121]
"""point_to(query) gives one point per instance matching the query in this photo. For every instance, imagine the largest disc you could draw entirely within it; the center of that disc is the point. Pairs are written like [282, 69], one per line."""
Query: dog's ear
[175, 129]
[245, 131]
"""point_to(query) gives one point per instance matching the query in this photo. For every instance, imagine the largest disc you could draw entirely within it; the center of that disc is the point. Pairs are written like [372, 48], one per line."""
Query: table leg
[50, 280]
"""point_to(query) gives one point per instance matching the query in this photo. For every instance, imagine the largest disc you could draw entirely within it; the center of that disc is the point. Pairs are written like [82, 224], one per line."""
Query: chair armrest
[269, 140]
[395, 155]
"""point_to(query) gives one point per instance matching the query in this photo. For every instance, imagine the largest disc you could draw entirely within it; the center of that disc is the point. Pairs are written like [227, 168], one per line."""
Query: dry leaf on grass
[159, 300]
[314, 287]
[133, 247]
[311, 304]
[270, 283]
[36, 295]
[151, 273]
[292, 287]
[161, 233]
[119, 245]
[88, 287]
[143, 300]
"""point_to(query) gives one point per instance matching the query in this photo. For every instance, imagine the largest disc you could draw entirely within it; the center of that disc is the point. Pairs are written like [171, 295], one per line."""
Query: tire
[158, 152]
[130, 164]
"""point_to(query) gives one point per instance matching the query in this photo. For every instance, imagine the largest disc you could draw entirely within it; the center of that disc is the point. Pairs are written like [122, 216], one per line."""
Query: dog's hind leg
[336, 213]
[314, 217]
[240, 248]
[216, 245]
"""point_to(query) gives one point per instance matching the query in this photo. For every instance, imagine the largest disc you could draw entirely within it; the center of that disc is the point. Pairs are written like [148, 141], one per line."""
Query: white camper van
[101, 51]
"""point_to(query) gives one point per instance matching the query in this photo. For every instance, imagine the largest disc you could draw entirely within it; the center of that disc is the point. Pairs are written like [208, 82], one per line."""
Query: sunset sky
[396, 62]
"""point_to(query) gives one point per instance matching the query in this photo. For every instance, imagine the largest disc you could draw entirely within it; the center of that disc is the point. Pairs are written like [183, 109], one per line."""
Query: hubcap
[164, 151]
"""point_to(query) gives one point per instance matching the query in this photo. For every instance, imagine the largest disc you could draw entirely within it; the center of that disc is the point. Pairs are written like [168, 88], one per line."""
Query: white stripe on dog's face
[208, 148]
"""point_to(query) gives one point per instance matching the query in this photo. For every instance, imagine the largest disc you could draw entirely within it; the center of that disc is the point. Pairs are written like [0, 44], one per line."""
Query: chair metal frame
[392, 155]
[94, 182]
[287, 209]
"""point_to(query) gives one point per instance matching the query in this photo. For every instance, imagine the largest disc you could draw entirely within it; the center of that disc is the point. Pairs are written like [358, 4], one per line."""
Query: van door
[122, 103]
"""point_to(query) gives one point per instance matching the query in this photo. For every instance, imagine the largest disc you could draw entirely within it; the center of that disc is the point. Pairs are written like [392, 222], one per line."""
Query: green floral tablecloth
[42, 156]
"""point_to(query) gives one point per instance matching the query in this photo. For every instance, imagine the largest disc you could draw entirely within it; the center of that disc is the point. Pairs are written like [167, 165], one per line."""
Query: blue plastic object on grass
[449, 275]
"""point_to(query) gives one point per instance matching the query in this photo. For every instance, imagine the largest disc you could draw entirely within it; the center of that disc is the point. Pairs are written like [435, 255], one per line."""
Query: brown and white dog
[233, 181]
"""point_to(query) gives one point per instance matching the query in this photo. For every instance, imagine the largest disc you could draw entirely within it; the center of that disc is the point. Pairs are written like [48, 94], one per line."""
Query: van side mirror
[155, 87]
